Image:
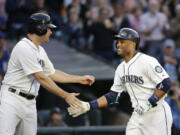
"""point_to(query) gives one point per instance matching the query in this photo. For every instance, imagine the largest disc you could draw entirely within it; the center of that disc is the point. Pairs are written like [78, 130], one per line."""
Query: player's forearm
[62, 77]
[160, 90]
[105, 100]
[159, 93]
[48, 84]
[102, 102]
[98, 103]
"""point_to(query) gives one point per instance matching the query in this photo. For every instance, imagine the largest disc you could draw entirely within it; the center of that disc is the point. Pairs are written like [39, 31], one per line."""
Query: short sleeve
[28, 61]
[49, 68]
[156, 72]
[117, 85]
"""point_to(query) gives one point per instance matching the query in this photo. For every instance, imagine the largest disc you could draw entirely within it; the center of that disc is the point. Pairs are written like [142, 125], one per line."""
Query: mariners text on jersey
[132, 79]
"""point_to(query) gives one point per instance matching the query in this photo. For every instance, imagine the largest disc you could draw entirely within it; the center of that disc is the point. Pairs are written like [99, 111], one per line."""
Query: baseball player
[28, 68]
[147, 84]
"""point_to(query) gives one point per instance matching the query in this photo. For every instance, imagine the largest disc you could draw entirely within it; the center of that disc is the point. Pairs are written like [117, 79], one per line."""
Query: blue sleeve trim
[94, 104]
[165, 85]
[111, 97]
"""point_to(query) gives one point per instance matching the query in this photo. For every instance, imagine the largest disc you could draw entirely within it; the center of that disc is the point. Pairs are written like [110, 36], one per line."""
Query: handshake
[84, 107]
[76, 111]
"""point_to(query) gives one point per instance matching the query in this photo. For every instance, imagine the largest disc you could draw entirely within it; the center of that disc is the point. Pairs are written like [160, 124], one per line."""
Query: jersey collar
[30, 43]
[134, 58]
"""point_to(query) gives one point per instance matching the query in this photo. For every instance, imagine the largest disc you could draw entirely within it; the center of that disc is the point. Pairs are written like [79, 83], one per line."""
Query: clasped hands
[84, 107]
[76, 111]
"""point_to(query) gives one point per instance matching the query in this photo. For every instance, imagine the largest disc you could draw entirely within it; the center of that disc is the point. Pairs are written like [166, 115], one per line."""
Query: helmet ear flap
[40, 30]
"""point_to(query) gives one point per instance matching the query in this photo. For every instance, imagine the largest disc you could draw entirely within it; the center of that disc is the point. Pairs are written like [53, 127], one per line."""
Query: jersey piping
[129, 83]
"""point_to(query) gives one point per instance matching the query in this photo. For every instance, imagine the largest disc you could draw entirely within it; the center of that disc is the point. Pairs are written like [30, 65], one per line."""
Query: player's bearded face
[123, 47]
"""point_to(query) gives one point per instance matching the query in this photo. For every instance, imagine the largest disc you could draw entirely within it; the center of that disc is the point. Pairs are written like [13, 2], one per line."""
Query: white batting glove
[74, 111]
[143, 107]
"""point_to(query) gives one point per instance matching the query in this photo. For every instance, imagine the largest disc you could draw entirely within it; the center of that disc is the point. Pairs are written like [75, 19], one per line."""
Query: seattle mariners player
[147, 84]
[28, 67]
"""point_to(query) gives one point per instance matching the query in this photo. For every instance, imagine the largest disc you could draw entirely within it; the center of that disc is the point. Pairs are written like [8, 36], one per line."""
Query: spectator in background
[3, 15]
[129, 5]
[134, 19]
[153, 25]
[165, 9]
[79, 7]
[169, 61]
[56, 118]
[75, 30]
[173, 100]
[4, 53]
[18, 12]
[120, 19]
[102, 32]
[175, 27]
[2, 9]
[58, 13]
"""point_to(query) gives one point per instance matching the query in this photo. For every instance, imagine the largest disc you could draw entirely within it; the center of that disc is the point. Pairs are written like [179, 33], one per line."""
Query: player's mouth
[119, 49]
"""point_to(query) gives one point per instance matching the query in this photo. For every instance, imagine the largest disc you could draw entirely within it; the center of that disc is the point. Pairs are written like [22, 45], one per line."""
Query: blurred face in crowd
[73, 17]
[104, 14]
[138, 12]
[153, 6]
[118, 10]
[56, 119]
[100, 3]
[76, 3]
[125, 47]
[168, 51]
[45, 38]
[165, 10]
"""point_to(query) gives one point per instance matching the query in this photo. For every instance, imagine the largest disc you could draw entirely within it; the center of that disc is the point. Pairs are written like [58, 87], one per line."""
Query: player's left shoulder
[148, 58]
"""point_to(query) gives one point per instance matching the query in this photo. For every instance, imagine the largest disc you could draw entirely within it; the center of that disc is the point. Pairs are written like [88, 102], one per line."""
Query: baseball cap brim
[52, 26]
[120, 37]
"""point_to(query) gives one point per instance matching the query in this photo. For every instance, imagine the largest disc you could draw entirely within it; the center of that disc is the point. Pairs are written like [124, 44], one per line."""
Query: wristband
[153, 100]
[94, 104]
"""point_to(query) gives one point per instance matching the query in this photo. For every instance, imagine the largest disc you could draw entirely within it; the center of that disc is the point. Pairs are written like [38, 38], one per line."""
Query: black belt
[27, 96]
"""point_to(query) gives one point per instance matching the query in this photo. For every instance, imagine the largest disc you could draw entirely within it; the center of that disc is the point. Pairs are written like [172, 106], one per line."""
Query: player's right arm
[49, 84]
[28, 61]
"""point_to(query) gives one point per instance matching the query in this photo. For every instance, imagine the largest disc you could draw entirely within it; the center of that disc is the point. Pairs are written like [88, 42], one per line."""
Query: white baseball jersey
[26, 59]
[139, 77]
[17, 112]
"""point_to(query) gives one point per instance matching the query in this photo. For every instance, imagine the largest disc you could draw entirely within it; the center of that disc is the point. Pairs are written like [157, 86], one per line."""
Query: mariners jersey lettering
[25, 60]
[139, 77]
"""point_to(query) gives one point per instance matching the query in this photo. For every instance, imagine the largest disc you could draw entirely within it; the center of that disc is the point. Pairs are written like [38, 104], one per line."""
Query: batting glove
[143, 107]
[74, 111]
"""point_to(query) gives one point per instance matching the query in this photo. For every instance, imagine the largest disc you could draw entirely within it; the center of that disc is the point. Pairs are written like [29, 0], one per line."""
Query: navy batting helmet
[38, 23]
[128, 34]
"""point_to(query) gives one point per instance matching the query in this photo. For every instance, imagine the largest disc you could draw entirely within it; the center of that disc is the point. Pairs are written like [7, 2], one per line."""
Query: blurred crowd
[89, 26]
